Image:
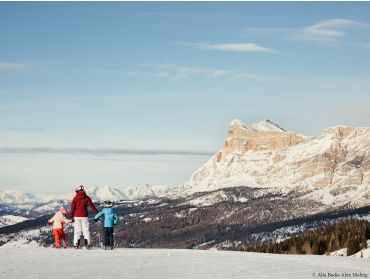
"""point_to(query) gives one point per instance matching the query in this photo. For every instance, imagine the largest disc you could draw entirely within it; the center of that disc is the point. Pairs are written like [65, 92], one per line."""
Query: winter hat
[108, 203]
[63, 210]
[79, 188]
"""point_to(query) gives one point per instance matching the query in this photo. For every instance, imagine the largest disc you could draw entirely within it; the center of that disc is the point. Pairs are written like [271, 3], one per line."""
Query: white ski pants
[81, 226]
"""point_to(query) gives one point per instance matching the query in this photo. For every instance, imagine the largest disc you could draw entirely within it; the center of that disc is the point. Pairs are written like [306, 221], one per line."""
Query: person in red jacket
[79, 214]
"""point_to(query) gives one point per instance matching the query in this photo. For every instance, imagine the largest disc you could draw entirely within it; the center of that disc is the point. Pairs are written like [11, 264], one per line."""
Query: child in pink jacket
[59, 219]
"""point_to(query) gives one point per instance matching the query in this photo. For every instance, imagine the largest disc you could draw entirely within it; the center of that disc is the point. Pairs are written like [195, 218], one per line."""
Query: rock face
[268, 137]
[333, 166]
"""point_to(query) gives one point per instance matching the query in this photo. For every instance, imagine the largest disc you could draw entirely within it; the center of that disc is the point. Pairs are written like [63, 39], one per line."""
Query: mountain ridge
[334, 161]
[12, 196]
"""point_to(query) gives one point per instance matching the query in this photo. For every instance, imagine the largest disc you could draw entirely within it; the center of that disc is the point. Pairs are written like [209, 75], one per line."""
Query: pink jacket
[59, 219]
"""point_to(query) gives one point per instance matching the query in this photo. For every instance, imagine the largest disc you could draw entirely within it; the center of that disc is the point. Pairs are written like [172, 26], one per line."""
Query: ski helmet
[108, 203]
[63, 210]
[79, 188]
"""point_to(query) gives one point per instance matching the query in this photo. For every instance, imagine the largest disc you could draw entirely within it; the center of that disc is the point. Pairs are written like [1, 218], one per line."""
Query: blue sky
[90, 92]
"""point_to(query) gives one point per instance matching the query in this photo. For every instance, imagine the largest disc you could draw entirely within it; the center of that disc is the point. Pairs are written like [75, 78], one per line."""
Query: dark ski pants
[102, 233]
[108, 240]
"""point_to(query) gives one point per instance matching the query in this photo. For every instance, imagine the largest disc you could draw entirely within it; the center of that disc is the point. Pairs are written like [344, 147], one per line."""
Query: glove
[95, 220]
[49, 223]
[72, 220]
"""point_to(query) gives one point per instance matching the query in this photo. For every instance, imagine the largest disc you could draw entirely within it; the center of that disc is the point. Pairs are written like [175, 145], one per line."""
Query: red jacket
[79, 205]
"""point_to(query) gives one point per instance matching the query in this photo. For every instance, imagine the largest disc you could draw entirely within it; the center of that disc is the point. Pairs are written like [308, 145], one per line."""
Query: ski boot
[77, 246]
[86, 244]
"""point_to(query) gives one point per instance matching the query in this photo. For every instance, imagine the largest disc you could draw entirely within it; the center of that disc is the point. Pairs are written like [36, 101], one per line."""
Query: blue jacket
[110, 217]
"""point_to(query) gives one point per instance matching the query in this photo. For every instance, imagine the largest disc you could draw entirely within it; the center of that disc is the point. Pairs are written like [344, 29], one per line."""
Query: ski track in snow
[168, 263]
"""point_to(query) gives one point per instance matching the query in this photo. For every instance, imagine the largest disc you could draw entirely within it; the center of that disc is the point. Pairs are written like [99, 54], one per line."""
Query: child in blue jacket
[110, 219]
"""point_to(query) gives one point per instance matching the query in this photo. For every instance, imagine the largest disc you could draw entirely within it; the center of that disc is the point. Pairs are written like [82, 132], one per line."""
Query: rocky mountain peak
[333, 166]
[265, 135]
[267, 125]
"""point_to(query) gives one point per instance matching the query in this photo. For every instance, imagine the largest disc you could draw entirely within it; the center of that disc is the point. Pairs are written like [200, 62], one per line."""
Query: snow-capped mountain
[146, 192]
[106, 193]
[98, 194]
[20, 197]
[7, 220]
[16, 196]
[332, 167]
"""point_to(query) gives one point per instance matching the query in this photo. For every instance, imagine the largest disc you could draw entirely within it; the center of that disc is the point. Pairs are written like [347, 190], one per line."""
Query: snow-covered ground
[7, 220]
[166, 263]
[365, 253]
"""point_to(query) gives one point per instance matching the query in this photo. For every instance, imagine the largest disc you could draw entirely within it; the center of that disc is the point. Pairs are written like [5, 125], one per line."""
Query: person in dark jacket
[110, 219]
[79, 215]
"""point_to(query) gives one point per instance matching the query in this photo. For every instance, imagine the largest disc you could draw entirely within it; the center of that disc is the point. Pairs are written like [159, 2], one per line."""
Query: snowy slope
[266, 125]
[339, 253]
[7, 220]
[164, 263]
[365, 252]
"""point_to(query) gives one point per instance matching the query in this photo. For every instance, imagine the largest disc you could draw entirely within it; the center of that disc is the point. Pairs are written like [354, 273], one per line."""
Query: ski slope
[167, 263]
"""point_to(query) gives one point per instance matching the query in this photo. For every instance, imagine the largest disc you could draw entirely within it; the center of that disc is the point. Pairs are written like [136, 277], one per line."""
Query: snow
[106, 193]
[24, 200]
[167, 263]
[296, 168]
[266, 126]
[145, 191]
[54, 205]
[240, 199]
[208, 199]
[237, 122]
[7, 220]
[182, 214]
[21, 243]
[341, 252]
[14, 196]
[365, 252]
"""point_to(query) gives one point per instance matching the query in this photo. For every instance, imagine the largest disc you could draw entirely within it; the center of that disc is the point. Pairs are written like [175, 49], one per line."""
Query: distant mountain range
[332, 168]
[265, 184]
[98, 194]
[23, 203]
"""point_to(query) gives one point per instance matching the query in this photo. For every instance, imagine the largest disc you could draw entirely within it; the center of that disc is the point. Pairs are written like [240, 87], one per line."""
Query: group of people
[79, 218]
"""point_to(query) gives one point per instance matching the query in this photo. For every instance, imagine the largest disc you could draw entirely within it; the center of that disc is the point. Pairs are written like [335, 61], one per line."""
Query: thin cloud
[13, 67]
[241, 47]
[191, 14]
[175, 72]
[230, 47]
[259, 78]
[268, 31]
[165, 158]
[101, 151]
[328, 29]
